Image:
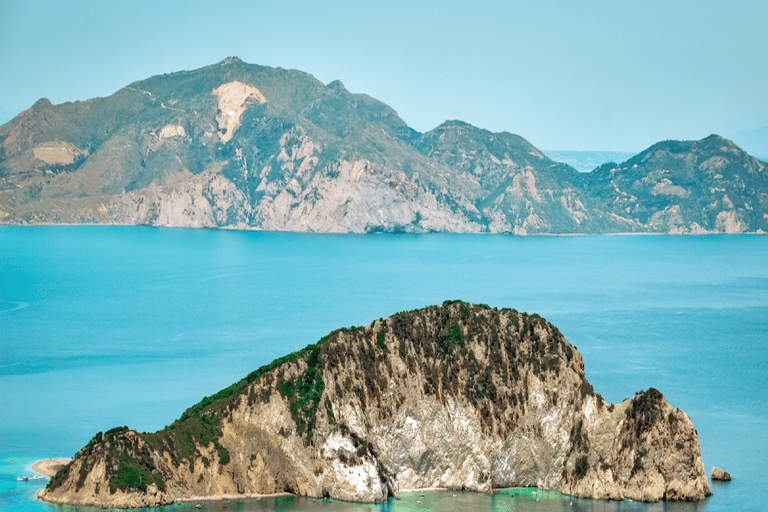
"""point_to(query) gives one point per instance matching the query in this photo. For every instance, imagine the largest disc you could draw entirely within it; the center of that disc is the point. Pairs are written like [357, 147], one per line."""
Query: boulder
[720, 475]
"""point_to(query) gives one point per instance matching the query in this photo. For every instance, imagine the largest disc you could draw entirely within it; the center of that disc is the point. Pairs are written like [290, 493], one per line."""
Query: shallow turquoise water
[106, 326]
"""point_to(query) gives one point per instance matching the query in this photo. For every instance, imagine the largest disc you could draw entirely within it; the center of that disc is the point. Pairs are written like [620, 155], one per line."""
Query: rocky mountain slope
[236, 145]
[459, 396]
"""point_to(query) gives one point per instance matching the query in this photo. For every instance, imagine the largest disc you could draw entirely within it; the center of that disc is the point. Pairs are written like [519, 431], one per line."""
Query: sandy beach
[49, 467]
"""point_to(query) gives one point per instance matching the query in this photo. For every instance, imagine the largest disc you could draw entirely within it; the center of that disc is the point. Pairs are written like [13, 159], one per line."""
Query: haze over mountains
[236, 145]
[586, 161]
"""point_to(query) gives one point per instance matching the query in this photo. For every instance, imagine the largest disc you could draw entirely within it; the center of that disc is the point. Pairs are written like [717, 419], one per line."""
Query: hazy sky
[585, 75]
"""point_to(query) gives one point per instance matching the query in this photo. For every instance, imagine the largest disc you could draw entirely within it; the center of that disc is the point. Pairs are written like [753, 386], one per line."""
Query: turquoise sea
[109, 326]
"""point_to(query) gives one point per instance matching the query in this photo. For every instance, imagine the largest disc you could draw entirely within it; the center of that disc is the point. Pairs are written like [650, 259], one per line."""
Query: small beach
[49, 467]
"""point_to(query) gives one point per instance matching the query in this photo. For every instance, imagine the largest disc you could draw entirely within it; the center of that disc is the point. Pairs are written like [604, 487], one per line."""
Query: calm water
[102, 326]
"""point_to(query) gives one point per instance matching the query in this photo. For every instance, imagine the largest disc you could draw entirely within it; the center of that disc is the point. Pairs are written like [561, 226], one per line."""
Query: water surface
[108, 326]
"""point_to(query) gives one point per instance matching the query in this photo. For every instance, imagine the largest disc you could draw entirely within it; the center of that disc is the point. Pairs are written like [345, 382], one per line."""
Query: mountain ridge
[244, 146]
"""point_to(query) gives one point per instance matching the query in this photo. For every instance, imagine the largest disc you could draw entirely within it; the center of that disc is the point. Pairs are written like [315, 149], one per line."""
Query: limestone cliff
[459, 396]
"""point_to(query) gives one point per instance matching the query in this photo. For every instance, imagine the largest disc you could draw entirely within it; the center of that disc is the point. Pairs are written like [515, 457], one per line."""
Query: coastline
[366, 233]
[50, 466]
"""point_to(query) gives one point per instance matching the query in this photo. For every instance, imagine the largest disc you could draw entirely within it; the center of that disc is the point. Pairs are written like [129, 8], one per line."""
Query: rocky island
[458, 396]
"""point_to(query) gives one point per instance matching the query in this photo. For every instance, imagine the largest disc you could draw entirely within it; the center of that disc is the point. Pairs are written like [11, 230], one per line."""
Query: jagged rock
[720, 475]
[458, 396]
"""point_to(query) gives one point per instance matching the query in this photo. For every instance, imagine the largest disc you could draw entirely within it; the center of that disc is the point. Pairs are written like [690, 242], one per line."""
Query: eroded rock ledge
[459, 396]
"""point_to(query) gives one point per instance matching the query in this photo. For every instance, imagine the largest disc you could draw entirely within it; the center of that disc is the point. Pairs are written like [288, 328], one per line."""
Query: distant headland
[242, 146]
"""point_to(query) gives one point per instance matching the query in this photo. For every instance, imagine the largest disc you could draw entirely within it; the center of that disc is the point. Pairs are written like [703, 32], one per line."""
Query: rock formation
[458, 396]
[720, 475]
[235, 145]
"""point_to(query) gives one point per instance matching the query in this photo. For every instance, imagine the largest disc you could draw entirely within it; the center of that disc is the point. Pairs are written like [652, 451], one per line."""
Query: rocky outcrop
[459, 396]
[294, 154]
[720, 475]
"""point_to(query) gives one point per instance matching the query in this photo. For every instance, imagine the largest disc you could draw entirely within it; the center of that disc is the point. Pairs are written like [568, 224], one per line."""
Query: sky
[589, 75]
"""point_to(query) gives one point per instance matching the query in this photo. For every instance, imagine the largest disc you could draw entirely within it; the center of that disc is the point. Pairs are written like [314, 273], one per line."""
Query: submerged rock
[458, 396]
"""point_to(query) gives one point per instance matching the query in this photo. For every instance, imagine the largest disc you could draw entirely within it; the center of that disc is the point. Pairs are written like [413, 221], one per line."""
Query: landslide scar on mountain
[58, 152]
[459, 396]
[234, 97]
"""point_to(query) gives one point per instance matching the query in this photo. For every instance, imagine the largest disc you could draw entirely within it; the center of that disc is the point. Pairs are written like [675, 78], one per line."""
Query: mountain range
[243, 146]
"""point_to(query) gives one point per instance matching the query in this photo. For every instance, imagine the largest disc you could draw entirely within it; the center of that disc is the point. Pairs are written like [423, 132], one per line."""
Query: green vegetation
[404, 313]
[453, 336]
[127, 467]
[135, 467]
[644, 410]
[58, 478]
[380, 340]
[586, 388]
[200, 424]
[304, 392]
[93, 442]
[81, 478]
[132, 474]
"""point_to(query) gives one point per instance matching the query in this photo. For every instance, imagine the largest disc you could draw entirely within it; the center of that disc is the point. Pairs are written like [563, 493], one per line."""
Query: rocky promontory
[458, 396]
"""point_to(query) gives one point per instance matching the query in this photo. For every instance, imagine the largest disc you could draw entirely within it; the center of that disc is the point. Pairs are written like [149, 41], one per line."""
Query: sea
[109, 326]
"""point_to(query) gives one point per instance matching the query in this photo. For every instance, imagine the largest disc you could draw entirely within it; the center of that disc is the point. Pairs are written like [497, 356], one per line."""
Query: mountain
[686, 187]
[236, 145]
[459, 396]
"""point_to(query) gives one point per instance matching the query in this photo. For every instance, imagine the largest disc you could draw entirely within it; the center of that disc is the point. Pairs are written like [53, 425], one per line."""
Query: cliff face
[236, 145]
[458, 396]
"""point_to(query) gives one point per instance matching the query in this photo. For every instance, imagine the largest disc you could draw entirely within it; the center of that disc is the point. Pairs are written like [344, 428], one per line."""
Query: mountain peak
[234, 59]
[336, 85]
[454, 123]
[42, 103]
[715, 140]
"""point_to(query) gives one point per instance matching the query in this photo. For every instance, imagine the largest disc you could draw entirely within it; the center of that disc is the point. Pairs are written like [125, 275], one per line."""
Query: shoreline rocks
[720, 475]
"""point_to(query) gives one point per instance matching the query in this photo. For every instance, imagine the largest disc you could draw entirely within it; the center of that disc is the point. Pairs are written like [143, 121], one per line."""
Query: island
[457, 396]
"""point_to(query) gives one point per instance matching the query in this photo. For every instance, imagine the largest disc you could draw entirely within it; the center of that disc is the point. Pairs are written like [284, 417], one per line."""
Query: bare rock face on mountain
[459, 396]
[235, 145]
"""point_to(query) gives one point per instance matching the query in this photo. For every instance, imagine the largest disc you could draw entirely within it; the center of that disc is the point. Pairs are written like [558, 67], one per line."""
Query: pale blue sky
[588, 75]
